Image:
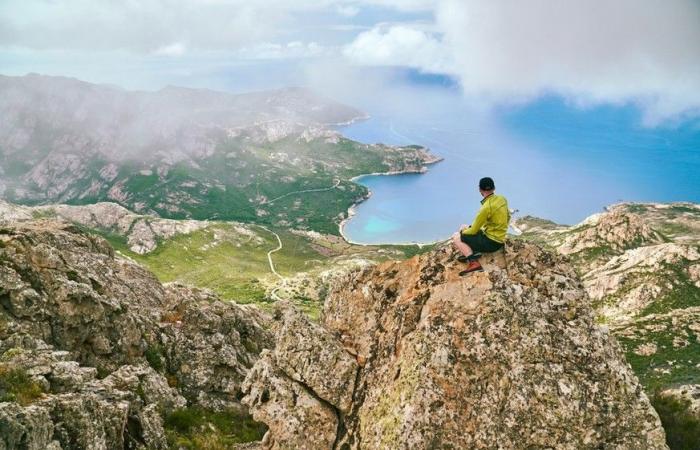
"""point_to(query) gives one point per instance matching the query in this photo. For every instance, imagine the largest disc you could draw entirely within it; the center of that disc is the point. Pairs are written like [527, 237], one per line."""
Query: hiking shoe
[474, 266]
[467, 259]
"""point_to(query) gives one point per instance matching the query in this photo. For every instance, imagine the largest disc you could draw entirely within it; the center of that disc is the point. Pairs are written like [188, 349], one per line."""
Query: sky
[488, 52]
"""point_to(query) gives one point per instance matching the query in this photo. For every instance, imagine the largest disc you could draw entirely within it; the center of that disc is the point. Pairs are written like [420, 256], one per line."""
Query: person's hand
[463, 227]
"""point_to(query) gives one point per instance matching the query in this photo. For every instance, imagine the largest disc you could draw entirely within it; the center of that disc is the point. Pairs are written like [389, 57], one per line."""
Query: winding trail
[267, 202]
[283, 280]
[273, 294]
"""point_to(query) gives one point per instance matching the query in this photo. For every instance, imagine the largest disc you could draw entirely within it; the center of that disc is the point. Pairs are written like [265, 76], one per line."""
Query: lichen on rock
[510, 358]
[110, 349]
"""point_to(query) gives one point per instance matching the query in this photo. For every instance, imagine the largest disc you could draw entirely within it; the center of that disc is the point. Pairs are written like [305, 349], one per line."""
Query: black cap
[487, 184]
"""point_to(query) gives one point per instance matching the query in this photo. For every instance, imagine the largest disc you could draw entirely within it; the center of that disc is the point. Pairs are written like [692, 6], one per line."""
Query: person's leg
[473, 244]
[465, 249]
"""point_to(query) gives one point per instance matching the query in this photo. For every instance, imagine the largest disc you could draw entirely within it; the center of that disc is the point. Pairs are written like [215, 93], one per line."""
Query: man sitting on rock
[488, 231]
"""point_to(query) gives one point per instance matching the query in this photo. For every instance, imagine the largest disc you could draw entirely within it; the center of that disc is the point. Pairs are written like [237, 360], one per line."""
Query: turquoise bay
[549, 159]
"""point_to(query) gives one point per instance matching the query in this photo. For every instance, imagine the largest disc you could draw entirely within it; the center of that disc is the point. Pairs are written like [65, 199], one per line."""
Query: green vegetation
[17, 386]
[637, 208]
[682, 428]
[216, 258]
[44, 214]
[672, 229]
[586, 256]
[670, 364]
[197, 428]
[236, 181]
[684, 209]
[154, 356]
[683, 292]
[231, 259]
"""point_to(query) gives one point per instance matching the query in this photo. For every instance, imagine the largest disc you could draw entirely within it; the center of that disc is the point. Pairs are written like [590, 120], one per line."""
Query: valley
[230, 258]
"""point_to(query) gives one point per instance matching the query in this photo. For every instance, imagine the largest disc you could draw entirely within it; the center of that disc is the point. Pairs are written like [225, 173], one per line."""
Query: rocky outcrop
[510, 358]
[638, 278]
[107, 349]
[610, 232]
[79, 410]
[689, 393]
[640, 265]
[142, 232]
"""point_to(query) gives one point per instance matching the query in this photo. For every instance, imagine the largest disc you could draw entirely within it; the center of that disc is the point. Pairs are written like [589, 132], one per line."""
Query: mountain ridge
[185, 153]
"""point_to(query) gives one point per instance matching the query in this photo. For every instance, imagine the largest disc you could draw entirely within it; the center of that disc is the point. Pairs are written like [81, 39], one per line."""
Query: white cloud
[646, 51]
[643, 51]
[348, 10]
[403, 5]
[174, 49]
[399, 45]
[146, 26]
[143, 26]
[290, 50]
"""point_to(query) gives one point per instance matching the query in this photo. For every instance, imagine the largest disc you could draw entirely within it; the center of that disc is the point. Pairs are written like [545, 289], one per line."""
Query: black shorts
[479, 243]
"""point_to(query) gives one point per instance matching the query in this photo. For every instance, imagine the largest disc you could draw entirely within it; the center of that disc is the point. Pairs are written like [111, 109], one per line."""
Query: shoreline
[352, 210]
[349, 122]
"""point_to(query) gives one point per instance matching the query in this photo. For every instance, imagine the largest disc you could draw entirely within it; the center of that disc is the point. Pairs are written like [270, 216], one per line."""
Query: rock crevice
[98, 351]
[510, 356]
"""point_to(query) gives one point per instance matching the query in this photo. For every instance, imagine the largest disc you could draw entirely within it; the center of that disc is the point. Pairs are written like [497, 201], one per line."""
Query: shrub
[17, 386]
[682, 428]
[154, 356]
[198, 428]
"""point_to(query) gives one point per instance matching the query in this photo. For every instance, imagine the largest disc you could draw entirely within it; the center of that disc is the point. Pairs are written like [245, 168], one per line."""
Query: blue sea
[549, 158]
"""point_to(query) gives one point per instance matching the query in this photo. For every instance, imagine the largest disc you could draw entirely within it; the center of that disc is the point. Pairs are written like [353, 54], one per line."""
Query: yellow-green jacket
[493, 216]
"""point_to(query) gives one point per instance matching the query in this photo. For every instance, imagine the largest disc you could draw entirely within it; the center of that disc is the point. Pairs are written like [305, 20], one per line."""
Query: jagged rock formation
[628, 284]
[640, 264]
[616, 229]
[142, 232]
[111, 348]
[509, 358]
[632, 257]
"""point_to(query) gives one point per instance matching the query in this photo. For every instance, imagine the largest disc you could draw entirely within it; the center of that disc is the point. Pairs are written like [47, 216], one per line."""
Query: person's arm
[479, 222]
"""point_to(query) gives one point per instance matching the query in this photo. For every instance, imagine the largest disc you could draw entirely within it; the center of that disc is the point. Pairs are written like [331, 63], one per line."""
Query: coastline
[349, 122]
[352, 210]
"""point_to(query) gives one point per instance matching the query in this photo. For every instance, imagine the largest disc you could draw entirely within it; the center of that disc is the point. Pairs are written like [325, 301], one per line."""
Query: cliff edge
[410, 355]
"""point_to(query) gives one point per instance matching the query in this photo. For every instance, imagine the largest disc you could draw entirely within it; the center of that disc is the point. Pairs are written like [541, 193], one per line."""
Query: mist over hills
[186, 153]
[121, 124]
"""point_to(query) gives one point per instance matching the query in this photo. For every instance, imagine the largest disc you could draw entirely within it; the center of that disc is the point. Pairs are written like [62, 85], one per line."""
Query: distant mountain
[186, 153]
[61, 115]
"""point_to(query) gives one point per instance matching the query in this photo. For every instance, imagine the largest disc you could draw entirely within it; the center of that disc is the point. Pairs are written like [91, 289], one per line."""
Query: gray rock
[297, 417]
[297, 338]
[29, 427]
[71, 310]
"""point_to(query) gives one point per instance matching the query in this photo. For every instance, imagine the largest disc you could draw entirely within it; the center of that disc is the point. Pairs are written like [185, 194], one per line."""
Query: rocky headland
[183, 153]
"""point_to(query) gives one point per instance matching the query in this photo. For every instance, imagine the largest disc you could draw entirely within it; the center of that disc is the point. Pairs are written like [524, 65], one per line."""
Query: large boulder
[507, 358]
